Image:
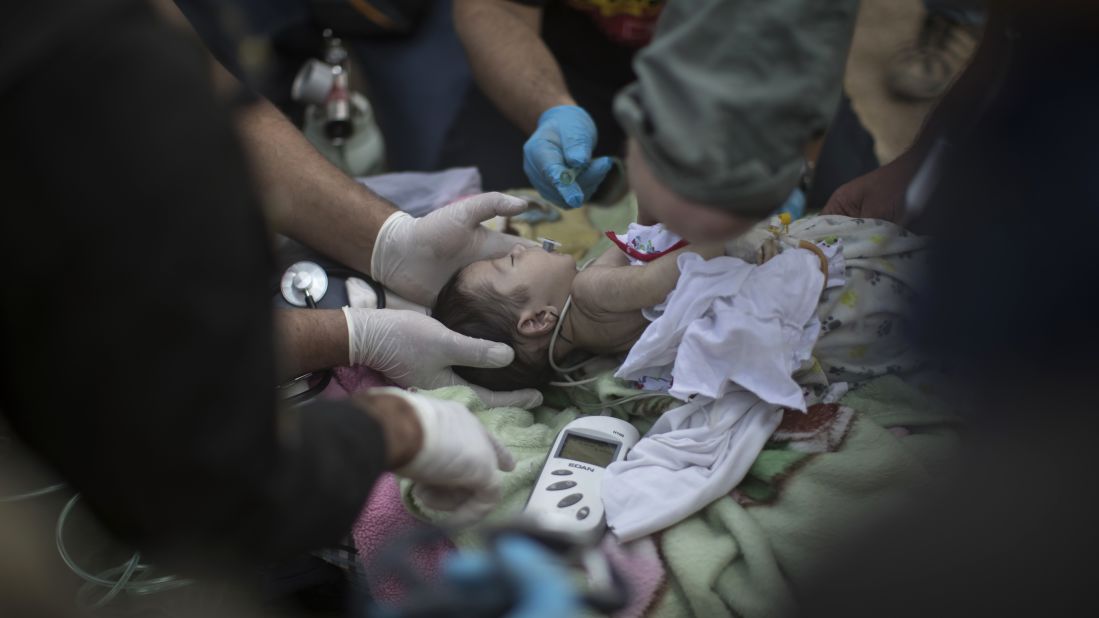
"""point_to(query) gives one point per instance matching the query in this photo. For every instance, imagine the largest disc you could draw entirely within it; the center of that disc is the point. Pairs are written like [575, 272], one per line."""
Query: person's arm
[516, 70]
[510, 61]
[308, 198]
[312, 201]
[618, 289]
[881, 194]
[310, 340]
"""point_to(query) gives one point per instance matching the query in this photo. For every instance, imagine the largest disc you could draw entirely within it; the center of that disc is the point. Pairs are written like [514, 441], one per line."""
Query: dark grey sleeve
[137, 347]
[729, 92]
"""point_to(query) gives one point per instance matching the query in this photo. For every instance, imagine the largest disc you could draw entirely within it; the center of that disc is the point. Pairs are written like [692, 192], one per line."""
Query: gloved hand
[563, 143]
[544, 586]
[457, 467]
[416, 257]
[414, 350]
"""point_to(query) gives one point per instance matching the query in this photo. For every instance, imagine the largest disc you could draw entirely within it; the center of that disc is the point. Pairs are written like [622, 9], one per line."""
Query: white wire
[553, 343]
[571, 383]
[619, 402]
[557, 332]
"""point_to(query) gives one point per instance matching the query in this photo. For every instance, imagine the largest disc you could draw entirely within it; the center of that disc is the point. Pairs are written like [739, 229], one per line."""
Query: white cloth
[728, 321]
[693, 455]
[730, 336]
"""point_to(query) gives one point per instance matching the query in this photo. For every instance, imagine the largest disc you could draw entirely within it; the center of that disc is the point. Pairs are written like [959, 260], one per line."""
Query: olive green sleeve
[729, 92]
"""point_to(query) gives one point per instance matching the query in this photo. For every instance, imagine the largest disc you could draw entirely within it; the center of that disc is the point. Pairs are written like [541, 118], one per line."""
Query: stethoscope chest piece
[304, 284]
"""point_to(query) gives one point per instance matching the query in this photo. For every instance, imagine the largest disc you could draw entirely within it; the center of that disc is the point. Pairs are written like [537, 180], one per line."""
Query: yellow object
[849, 299]
[573, 230]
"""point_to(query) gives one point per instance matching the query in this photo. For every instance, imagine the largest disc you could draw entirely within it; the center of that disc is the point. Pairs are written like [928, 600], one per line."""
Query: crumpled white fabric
[730, 337]
[693, 455]
[730, 322]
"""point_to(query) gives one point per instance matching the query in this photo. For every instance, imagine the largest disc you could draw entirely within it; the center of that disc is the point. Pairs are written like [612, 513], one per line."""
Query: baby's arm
[618, 289]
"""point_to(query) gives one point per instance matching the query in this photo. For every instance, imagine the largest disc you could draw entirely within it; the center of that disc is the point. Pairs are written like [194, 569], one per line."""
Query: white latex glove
[457, 468]
[416, 257]
[414, 350]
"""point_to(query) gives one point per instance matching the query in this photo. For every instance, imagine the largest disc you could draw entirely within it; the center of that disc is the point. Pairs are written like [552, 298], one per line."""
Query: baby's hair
[484, 313]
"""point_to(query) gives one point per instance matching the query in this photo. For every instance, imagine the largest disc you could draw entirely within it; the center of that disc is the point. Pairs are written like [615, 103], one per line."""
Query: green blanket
[821, 475]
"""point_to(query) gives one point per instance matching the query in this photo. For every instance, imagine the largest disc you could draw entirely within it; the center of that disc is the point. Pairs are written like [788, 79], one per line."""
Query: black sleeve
[137, 341]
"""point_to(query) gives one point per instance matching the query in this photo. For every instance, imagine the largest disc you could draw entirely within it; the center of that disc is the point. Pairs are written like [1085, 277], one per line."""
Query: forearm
[620, 289]
[307, 197]
[611, 285]
[510, 61]
[309, 340]
[401, 431]
[660, 276]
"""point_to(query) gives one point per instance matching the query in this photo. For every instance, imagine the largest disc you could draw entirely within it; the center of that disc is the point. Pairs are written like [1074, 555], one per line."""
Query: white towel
[731, 335]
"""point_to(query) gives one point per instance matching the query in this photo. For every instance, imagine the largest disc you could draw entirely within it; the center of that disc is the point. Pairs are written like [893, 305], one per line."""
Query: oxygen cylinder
[338, 122]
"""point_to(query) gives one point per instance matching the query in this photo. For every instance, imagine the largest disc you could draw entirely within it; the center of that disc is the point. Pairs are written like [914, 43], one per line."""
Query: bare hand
[877, 195]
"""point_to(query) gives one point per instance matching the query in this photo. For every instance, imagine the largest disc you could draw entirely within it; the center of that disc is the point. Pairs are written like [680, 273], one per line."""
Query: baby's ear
[537, 322]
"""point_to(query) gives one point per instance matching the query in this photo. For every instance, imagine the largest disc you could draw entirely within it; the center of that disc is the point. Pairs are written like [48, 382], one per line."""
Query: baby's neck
[566, 338]
[578, 332]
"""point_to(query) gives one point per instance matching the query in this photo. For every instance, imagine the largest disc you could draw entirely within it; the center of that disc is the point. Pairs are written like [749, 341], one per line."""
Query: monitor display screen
[588, 450]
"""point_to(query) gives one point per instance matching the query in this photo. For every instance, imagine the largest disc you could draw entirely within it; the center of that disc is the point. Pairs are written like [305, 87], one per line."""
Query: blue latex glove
[544, 587]
[557, 157]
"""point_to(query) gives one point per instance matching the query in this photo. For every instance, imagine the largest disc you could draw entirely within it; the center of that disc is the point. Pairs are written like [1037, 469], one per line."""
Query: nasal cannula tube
[549, 244]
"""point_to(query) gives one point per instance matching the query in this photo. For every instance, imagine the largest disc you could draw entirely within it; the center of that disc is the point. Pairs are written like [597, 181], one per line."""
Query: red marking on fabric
[644, 257]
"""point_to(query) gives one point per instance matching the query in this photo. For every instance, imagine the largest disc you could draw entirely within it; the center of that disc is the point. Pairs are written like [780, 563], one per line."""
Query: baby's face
[547, 276]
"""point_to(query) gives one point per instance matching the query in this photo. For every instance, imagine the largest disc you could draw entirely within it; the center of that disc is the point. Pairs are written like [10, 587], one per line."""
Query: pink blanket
[384, 517]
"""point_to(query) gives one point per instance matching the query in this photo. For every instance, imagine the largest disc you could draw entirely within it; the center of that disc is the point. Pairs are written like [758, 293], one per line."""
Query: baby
[518, 299]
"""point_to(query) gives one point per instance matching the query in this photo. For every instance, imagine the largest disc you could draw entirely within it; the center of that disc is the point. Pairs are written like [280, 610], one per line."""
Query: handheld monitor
[568, 493]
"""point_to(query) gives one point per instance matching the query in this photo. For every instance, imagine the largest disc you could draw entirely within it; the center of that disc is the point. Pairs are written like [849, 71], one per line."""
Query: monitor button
[559, 485]
[569, 500]
[583, 513]
[561, 472]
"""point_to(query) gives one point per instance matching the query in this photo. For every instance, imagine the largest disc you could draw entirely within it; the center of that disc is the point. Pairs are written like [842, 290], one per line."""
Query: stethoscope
[305, 284]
